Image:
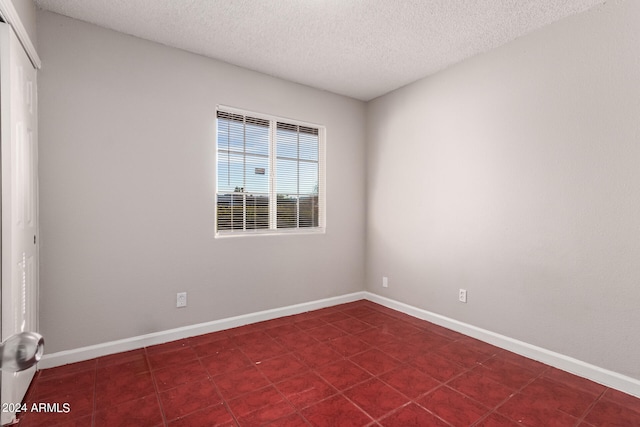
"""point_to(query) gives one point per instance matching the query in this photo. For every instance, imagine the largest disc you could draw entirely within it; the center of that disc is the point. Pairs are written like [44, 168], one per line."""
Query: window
[270, 174]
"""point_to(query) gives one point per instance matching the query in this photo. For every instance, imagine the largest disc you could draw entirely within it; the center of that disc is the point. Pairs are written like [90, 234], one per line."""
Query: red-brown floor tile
[159, 360]
[78, 422]
[187, 398]
[570, 400]
[376, 337]
[348, 345]
[497, 420]
[318, 355]
[400, 329]
[251, 402]
[293, 420]
[481, 388]
[225, 361]
[535, 412]
[574, 381]
[438, 367]
[306, 389]
[143, 412]
[513, 376]
[212, 416]
[267, 414]
[410, 381]
[429, 341]
[205, 349]
[263, 350]
[453, 407]
[623, 399]
[123, 388]
[412, 416]
[352, 325]
[280, 330]
[359, 311]
[465, 356]
[333, 317]
[375, 361]
[343, 374]
[297, 341]
[336, 411]
[326, 332]
[250, 337]
[282, 367]
[375, 318]
[608, 413]
[174, 376]
[51, 386]
[123, 370]
[69, 368]
[310, 323]
[241, 381]
[402, 350]
[376, 398]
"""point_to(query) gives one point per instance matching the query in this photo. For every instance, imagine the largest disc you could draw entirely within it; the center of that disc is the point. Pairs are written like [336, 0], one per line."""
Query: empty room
[320, 213]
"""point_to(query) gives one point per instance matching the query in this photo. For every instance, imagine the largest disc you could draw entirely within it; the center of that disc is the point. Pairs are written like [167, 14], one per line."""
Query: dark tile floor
[355, 364]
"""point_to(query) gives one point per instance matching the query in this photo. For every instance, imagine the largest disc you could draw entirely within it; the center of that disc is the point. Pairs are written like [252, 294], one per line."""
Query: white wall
[515, 175]
[127, 166]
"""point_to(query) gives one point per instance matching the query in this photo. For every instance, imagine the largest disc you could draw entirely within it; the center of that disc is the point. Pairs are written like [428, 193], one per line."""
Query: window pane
[230, 211]
[309, 211]
[287, 215]
[237, 216]
[257, 211]
[235, 135]
[308, 178]
[308, 146]
[287, 143]
[257, 174]
[230, 173]
[223, 206]
[257, 139]
[287, 176]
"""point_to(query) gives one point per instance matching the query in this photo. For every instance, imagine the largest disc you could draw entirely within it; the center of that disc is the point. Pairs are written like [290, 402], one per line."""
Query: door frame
[9, 14]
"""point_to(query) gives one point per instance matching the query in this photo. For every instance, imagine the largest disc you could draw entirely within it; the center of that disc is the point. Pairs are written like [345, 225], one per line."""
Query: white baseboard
[98, 350]
[594, 373]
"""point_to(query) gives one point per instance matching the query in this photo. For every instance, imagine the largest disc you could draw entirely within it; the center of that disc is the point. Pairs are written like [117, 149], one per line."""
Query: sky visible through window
[243, 159]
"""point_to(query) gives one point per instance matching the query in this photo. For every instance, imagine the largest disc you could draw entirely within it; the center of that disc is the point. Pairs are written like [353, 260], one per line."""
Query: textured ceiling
[359, 48]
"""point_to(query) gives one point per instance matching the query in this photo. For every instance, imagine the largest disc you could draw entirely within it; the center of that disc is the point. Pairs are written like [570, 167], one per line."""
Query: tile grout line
[155, 388]
[586, 412]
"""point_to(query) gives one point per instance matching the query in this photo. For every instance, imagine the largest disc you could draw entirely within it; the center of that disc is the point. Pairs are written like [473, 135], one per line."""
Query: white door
[18, 137]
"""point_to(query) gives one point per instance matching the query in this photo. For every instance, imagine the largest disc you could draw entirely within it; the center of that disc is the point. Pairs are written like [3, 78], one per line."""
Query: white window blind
[270, 175]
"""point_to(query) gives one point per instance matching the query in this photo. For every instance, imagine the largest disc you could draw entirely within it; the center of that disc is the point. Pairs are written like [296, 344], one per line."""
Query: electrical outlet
[385, 282]
[462, 295]
[181, 299]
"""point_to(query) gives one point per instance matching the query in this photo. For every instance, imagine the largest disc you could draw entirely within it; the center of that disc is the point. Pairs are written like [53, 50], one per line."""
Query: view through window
[269, 174]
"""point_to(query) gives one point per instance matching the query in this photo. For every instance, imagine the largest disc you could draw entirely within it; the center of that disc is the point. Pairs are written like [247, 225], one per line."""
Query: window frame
[272, 190]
